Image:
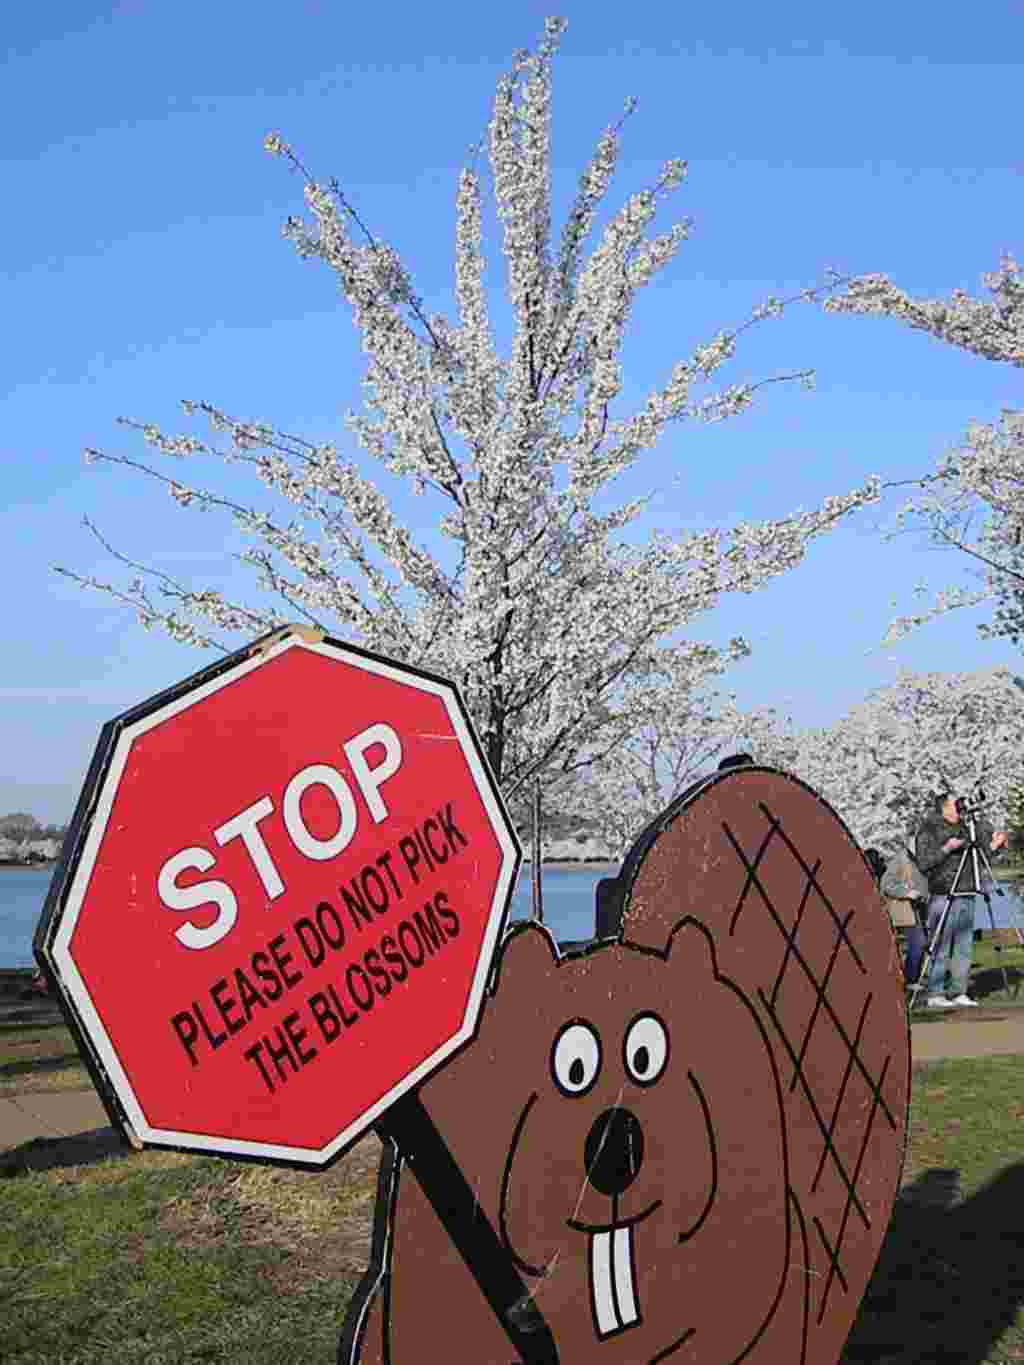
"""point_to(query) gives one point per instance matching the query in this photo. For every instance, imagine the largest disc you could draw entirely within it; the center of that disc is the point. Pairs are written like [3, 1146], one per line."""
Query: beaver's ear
[691, 948]
[528, 954]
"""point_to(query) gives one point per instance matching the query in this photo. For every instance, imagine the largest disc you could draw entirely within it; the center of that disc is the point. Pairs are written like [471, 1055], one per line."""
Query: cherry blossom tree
[974, 501]
[549, 621]
[680, 725]
[881, 764]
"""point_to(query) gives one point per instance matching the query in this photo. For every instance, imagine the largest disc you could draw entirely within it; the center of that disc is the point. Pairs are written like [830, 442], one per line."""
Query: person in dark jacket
[876, 861]
[939, 848]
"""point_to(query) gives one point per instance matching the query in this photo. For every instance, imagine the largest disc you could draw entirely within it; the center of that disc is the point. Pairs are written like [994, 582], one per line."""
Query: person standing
[901, 881]
[939, 848]
[877, 863]
[915, 941]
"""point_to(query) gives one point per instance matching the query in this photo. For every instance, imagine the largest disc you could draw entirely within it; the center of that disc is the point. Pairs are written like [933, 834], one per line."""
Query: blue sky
[144, 264]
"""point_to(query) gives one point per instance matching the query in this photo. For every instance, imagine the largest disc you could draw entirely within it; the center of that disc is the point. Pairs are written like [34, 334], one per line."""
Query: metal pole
[538, 903]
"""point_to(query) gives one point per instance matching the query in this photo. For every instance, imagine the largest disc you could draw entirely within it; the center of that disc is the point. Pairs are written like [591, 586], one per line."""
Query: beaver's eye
[645, 1049]
[575, 1057]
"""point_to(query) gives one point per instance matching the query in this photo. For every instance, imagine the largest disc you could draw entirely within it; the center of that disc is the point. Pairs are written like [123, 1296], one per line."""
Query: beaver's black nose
[613, 1151]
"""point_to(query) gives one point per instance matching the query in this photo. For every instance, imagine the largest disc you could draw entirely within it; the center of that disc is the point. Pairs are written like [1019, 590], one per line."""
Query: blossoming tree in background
[681, 724]
[551, 625]
[974, 501]
[881, 764]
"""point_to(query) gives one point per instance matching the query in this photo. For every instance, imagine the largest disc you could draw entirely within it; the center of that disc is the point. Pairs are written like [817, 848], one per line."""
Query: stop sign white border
[78, 994]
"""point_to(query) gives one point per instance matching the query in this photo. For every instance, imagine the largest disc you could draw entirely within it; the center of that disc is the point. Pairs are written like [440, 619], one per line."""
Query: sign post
[276, 912]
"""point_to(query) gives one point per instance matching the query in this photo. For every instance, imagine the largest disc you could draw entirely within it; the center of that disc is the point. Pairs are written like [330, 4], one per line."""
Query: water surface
[568, 905]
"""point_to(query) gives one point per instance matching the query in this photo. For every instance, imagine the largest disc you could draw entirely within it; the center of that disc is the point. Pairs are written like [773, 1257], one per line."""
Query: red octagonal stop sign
[279, 900]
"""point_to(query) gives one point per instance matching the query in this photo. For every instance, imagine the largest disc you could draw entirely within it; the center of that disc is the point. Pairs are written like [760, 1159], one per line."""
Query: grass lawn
[152, 1258]
[949, 1284]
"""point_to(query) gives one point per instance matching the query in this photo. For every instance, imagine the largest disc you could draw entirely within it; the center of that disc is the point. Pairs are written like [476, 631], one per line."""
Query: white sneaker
[939, 1002]
[962, 1000]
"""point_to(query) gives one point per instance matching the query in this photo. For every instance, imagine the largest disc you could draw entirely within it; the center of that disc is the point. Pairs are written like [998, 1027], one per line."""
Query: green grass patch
[154, 1257]
[987, 956]
[967, 1115]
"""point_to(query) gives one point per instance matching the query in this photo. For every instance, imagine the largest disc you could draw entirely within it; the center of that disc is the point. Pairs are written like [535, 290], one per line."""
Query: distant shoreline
[573, 864]
[28, 867]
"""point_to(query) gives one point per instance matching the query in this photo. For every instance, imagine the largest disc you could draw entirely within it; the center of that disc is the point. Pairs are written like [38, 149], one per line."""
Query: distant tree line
[19, 826]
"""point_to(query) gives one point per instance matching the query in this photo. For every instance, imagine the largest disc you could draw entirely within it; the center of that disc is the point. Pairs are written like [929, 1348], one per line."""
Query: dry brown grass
[324, 1220]
[109, 1174]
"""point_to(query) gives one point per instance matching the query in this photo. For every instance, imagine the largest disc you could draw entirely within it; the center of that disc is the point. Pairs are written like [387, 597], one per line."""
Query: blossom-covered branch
[973, 501]
[991, 329]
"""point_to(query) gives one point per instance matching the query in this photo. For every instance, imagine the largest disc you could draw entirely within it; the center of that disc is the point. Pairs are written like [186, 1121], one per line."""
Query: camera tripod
[973, 850]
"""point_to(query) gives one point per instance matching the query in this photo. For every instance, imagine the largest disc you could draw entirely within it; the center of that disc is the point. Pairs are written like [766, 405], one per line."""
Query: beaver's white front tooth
[622, 1264]
[601, 1282]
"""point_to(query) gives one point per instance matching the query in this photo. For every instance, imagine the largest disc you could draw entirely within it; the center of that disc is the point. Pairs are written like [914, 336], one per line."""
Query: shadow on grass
[986, 981]
[45, 1154]
[950, 1277]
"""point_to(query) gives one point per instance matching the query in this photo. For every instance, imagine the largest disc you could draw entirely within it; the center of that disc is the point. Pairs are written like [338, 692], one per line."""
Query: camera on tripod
[970, 807]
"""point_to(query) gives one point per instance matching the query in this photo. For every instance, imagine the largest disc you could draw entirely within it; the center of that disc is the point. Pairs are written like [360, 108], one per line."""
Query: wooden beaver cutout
[687, 1137]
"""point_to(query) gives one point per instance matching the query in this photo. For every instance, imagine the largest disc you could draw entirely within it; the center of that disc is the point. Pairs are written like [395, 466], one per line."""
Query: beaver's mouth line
[613, 1296]
[616, 1223]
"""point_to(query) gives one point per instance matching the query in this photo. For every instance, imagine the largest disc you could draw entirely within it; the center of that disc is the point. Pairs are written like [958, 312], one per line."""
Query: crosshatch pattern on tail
[842, 1154]
[792, 907]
